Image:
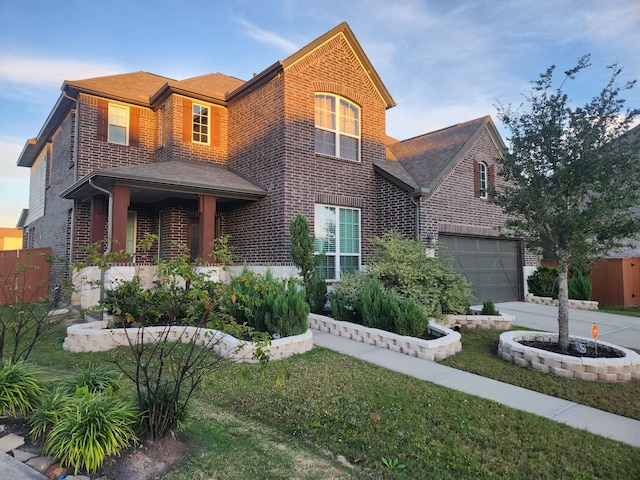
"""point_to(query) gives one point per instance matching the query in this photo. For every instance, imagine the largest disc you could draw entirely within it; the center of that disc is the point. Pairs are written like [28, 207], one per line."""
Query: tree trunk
[563, 306]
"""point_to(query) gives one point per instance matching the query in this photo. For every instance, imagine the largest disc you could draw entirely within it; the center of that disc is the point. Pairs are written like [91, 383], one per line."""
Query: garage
[492, 265]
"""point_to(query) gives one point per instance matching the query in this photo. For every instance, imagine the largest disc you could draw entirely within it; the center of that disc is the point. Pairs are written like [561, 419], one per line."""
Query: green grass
[298, 417]
[479, 356]
[631, 311]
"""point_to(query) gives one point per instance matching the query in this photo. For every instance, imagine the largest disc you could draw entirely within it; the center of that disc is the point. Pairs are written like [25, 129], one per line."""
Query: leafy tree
[571, 178]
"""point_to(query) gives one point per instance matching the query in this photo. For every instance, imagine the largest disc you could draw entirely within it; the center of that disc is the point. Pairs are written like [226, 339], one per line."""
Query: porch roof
[176, 178]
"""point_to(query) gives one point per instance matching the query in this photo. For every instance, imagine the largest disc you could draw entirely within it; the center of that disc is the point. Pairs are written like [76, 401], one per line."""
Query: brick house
[189, 160]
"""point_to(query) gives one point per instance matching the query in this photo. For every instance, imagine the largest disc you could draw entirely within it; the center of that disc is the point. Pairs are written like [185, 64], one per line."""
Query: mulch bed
[602, 351]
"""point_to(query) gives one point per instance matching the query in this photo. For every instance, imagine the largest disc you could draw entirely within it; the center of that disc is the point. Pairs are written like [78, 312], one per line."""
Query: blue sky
[443, 61]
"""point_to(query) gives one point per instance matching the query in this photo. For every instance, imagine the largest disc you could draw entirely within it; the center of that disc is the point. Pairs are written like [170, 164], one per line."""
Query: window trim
[195, 105]
[337, 254]
[127, 125]
[337, 130]
[483, 180]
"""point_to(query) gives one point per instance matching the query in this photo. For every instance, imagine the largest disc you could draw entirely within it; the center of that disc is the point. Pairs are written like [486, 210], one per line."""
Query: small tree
[571, 179]
[302, 256]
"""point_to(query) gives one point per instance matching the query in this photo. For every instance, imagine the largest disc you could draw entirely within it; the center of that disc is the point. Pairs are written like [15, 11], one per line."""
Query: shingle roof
[135, 86]
[212, 84]
[421, 161]
[172, 178]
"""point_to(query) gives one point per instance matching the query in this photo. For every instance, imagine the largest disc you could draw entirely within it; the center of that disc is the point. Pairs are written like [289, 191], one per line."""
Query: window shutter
[187, 120]
[492, 180]
[215, 126]
[134, 127]
[103, 120]
[476, 179]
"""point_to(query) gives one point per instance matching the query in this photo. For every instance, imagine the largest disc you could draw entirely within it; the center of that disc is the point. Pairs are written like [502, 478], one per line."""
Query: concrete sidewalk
[595, 421]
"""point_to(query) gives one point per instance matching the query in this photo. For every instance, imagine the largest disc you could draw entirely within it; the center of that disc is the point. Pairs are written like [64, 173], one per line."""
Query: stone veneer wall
[439, 349]
[622, 369]
[96, 337]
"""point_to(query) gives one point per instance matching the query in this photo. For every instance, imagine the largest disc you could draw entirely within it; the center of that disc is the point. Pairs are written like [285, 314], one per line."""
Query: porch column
[207, 211]
[121, 198]
[99, 209]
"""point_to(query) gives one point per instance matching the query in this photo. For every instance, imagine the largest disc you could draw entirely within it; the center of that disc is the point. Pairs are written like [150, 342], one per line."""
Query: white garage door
[492, 265]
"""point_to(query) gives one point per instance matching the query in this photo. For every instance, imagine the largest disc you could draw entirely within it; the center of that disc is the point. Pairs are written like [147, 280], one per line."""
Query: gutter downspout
[415, 197]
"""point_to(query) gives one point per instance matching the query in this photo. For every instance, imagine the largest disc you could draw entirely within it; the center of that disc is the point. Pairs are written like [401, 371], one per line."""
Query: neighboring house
[125, 155]
[10, 239]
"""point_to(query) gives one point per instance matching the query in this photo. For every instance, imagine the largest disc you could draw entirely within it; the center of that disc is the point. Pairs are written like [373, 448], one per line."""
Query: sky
[443, 61]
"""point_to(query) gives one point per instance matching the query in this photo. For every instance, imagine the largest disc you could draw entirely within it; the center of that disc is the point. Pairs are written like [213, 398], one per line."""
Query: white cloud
[267, 37]
[45, 71]
[14, 183]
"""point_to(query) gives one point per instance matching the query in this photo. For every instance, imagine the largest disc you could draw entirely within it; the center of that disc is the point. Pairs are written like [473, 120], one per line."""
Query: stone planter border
[96, 337]
[622, 369]
[577, 304]
[446, 346]
[477, 322]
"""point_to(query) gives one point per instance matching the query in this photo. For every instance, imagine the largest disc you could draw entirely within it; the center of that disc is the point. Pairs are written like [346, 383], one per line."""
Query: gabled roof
[175, 178]
[342, 29]
[419, 164]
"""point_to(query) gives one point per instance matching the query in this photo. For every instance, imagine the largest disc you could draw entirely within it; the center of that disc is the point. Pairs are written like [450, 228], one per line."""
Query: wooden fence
[24, 275]
[616, 281]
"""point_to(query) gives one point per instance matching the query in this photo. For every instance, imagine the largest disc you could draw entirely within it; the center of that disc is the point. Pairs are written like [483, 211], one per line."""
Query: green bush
[346, 304]
[96, 377]
[544, 282]
[412, 320]
[580, 287]
[269, 305]
[20, 389]
[489, 308]
[401, 266]
[92, 425]
[316, 293]
[379, 309]
[48, 412]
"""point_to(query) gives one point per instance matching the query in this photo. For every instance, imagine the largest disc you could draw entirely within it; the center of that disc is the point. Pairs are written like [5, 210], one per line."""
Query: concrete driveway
[617, 329]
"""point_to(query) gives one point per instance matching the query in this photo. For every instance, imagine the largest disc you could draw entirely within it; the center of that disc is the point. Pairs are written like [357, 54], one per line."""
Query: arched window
[337, 123]
[483, 181]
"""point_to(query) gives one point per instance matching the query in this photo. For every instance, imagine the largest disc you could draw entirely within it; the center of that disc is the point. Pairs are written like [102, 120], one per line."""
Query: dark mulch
[591, 350]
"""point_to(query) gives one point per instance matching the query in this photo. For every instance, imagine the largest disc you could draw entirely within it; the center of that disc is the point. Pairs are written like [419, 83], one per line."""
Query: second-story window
[118, 124]
[200, 133]
[482, 179]
[337, 123]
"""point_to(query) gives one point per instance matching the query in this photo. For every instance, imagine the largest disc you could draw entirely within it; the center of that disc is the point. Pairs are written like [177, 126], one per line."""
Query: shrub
[580, 287]
[489, 308]
[302, 256]
[412, 320]
[379, 309]
[269, 305]
[316, 293]
[401, 266]
[95, 377]
[20, 390]
[544, 282]
[92, 425]
[346, 304]
[48, 412]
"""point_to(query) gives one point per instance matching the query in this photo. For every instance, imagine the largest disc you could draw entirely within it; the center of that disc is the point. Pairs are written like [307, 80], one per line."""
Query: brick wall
[272, 140]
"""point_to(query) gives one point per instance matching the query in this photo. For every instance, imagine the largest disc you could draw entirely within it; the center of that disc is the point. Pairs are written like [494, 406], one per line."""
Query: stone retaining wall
[446, 346]
[96, 337]
[622, 369]
[477, 322]
[577, 304]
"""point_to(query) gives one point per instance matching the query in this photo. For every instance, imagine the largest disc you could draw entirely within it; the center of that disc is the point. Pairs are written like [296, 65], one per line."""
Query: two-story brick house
[189, 160]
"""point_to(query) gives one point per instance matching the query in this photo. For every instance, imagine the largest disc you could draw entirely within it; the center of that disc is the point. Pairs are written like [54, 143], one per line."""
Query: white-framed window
[118, 124]
[337, 235]
[337, 123]
[132, 225]
[483, 181]
[201, 116]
